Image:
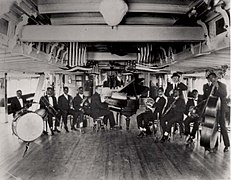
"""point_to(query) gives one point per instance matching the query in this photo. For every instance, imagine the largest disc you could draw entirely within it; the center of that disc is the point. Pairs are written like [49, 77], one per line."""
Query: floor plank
[112, 154]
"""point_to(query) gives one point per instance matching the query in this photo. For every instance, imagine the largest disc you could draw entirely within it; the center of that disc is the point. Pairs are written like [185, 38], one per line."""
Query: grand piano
[126, 101]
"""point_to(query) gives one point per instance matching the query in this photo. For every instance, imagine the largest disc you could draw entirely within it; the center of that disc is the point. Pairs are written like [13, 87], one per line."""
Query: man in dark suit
[173, 112]
[220, 91]
[193, 114]
[78, 106]
[18, 103]
[49, 103]
[154, 109]
[66, 107]
[100, 109]
[207, 89]
[176, 84]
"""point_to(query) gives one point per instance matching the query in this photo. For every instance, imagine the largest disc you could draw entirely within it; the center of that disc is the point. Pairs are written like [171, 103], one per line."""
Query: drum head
[41, 112]
[29, 126]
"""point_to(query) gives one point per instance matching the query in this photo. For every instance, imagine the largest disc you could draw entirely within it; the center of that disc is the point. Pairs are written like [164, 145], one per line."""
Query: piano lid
[133, 88]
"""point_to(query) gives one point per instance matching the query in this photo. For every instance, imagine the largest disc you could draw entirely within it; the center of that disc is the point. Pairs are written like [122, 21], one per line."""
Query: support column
[6, 100]
[190, 84]
[38, 93]
[3, 99]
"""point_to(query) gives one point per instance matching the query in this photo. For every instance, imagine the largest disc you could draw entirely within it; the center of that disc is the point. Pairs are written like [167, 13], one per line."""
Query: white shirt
[175, 85]
[50, 99]
[81, 95]
[66, 96]
[20, 101]
[195, 102]
[157, 99]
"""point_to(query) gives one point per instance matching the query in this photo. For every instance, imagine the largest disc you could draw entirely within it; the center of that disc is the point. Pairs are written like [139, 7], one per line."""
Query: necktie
[175, 86]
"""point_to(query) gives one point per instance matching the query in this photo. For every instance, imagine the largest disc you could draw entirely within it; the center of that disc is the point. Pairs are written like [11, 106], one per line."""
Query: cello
[209, 131]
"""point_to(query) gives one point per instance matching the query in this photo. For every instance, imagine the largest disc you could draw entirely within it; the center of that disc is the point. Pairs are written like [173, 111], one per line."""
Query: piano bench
[98, 123]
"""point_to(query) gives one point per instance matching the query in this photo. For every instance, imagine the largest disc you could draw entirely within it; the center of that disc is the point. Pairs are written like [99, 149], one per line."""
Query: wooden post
[3, 99]
[6, 101]
[38, 92]
[190, 84]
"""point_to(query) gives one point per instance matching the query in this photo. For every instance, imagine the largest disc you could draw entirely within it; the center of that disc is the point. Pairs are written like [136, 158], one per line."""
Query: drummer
[49, 102]
[18, 103]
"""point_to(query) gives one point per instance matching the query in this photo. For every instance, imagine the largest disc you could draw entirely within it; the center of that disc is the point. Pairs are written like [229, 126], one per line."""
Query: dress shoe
[190, 140]
[56, 130]
[141, 134]
[82, 132]
[226, 149]
[66, 129]
[74, 129]
[52, 132]
[163, 139]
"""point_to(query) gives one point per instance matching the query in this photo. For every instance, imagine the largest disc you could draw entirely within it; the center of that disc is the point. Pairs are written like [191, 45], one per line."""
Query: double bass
[209, 131]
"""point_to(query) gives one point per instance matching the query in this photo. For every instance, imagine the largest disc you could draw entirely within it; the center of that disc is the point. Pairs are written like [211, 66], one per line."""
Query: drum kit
[28, 125]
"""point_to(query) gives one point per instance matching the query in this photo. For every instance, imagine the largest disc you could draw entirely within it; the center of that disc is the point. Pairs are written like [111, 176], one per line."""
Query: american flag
[77, 54]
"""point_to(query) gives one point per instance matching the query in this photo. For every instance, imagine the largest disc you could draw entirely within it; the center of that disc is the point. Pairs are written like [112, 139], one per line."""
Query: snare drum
[28, 127]
[41, 112]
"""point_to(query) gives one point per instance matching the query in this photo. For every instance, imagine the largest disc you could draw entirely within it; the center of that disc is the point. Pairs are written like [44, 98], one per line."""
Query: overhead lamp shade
[113, 11]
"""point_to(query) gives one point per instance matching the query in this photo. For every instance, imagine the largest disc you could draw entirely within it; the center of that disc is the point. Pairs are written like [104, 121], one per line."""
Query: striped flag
[77, 54]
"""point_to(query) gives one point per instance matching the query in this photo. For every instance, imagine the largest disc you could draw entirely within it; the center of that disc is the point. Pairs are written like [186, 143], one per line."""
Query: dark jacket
[97, 107]
[159, 105]
[44, 102]
[16, 106]
[179, 109]
[77, 102]
[206, 90]
[180, 86]
[63, 103]
[220, 92]
[190, 103]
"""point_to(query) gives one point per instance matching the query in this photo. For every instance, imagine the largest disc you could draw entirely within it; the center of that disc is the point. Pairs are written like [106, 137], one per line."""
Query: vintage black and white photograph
[115, 90]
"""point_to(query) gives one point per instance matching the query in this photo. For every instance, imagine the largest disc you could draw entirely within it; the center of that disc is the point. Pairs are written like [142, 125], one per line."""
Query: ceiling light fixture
[113, 11]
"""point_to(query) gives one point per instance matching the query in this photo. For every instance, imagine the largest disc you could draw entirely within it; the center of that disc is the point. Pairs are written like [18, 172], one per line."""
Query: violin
[193, 110]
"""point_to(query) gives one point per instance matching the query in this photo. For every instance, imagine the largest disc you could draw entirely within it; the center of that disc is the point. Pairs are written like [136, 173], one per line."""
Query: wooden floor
[113, 154]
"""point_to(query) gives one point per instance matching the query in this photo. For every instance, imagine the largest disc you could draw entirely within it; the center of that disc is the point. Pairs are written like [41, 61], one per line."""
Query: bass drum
[28, 127]
[41, 112]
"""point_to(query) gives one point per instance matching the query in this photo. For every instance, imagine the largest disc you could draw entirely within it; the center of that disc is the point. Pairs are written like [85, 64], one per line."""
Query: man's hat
[212, 74]
[175, 75]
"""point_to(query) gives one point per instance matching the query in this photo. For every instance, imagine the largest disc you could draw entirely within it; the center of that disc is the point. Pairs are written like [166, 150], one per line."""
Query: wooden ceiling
[162, 23]
[148, 12]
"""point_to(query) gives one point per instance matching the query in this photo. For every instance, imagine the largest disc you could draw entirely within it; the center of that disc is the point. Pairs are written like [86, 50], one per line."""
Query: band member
[176, 84]
[160, 102]
[66, 108]
[207, 88]
[100, 109]
[18, 103]
[153, 110]
[144, 118]
[173, 112]
[78, 106]
[193, 111]
[221, 92]
[49, 103]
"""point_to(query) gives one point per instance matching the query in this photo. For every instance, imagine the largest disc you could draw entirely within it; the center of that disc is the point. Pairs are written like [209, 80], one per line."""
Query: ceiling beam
[51, 6]
[77, 19]
[103, 56]
[104, 33]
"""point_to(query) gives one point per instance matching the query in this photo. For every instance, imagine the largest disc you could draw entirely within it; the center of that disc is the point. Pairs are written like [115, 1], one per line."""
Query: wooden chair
[98, 124]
